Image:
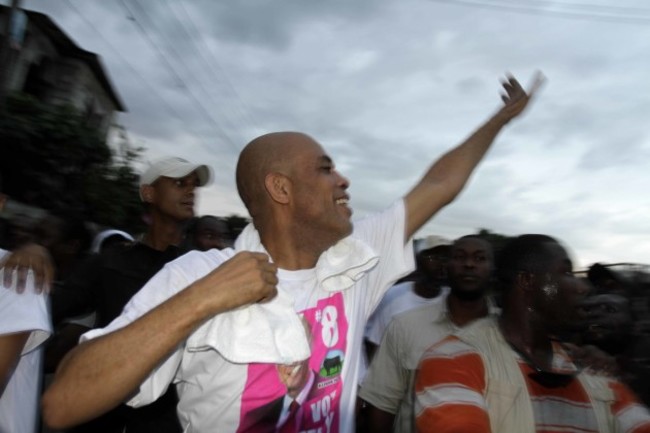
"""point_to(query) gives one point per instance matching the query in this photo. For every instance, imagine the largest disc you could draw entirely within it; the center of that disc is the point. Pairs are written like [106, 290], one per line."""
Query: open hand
[30, 256]
[515, 98]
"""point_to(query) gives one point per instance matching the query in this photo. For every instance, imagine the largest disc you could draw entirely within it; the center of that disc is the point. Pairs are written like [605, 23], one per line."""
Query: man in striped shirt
[510, 375]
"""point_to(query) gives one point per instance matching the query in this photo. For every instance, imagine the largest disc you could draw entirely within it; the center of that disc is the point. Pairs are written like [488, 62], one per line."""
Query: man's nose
[343, 182]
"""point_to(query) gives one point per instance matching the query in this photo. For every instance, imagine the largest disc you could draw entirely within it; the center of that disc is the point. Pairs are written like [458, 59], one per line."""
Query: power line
[176, 75]
[589, 7]
[205, 93]
[537, 10]
[124, 60]
[211, 60]
[225, 116]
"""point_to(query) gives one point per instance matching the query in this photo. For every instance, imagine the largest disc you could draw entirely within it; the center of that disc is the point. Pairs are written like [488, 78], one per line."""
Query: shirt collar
[443, 316]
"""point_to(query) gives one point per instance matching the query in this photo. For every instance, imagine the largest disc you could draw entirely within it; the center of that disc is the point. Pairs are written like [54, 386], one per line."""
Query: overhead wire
[205, 92]
[588, 11]
[170, 67]
[137, 74]
[211, 60]
[589, 7]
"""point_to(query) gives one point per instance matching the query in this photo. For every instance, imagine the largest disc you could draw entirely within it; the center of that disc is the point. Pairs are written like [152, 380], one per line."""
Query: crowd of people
[297, 325]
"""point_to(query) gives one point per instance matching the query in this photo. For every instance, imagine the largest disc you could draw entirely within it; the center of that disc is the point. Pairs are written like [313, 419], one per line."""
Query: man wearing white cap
[109, 280]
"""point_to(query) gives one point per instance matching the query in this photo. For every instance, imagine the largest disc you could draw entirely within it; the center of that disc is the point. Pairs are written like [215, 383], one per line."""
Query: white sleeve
[173, 278]
[384, 232]
[383, 314]
[23, 312]
[376, 326]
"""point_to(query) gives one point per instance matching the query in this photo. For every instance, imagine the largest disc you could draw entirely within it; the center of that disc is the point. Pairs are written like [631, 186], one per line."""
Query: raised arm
[101, 373]
[449, 174]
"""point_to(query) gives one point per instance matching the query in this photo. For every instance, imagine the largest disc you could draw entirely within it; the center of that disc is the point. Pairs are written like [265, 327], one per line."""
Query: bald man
[303, 246]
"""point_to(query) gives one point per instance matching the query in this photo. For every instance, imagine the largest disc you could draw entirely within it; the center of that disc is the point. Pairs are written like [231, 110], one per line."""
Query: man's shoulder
[421, 315]
[377, 223]
[394, 295]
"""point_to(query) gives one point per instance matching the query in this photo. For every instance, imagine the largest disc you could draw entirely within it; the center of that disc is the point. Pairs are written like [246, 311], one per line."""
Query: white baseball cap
[175, 167]
[102, 236]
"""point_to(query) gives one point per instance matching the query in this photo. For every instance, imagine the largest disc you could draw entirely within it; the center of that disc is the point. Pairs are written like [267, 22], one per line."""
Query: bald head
[267, 153]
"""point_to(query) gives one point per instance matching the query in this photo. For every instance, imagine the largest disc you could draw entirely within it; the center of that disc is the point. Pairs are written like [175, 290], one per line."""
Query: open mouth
[343, 200]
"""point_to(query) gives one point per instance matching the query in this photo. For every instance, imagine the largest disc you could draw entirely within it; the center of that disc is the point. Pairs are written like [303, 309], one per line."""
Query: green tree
[51, 158]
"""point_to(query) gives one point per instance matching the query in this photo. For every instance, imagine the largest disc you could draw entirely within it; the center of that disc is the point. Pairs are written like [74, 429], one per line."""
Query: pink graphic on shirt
[305, 396]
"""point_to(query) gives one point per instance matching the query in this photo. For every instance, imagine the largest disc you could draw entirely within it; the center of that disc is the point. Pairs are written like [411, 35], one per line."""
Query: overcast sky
[386, 87]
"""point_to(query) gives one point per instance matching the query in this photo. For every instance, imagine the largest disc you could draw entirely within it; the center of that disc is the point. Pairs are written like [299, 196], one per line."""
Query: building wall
[58, 80]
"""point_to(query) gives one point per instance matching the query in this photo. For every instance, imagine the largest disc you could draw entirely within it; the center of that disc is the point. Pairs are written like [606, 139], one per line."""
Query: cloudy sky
[387, 86]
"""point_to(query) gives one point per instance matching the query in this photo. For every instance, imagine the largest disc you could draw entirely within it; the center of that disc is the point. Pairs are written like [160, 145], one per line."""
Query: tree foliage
[51, 158]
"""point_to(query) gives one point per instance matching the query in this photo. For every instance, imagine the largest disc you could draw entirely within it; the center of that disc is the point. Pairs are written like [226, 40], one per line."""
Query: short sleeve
[384, 233]
[386, 382]
[25, 312]
[174, 277]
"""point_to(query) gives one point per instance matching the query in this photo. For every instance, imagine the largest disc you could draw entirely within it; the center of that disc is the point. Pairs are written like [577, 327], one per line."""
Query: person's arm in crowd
[11, 346]
[449, 391]
[449, 174]
[100, 373]
[21, 260]
[631, 416]
[386, 382]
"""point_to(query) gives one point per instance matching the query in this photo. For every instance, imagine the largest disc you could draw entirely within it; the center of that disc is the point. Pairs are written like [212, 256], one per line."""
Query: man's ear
[278, 186]
[148, 193]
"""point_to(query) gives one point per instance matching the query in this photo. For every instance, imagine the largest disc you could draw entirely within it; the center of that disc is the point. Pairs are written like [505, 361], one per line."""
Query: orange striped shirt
[450, 395]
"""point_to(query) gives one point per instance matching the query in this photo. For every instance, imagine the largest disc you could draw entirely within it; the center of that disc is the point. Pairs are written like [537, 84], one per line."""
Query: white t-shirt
[399, 299]
[216, 395]
[25, 312]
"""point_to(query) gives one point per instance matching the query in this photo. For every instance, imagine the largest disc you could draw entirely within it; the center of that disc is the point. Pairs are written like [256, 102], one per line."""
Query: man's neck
[287, 255]
[290, 248]
[463, 311]
[526, 336]
[163, 233]
[426, 288]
